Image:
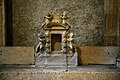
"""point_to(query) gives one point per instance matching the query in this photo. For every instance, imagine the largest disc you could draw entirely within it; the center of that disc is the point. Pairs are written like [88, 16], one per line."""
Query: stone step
[56, 60]
[49, 55]
[55, 73]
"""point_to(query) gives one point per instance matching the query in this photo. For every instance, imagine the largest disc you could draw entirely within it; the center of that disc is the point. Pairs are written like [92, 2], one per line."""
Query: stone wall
[86, 55]
[86, 18]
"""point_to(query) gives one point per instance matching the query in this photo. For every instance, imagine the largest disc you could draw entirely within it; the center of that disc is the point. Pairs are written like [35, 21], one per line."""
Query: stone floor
[92, 72]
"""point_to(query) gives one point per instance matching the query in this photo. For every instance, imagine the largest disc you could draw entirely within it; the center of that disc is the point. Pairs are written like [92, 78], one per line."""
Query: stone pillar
[111, 30]
[2, 24]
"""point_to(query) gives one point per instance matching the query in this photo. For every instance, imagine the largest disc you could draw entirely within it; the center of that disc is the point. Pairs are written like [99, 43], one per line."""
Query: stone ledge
[97, 54]
[16, 55]
[86, 55]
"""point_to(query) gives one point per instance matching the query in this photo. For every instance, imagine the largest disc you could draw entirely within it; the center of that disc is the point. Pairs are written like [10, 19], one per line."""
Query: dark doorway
[8, 23]
[56, 42]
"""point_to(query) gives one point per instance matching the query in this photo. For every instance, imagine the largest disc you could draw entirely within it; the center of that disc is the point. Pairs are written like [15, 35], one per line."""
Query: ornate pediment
[54, 25]
[56, 21]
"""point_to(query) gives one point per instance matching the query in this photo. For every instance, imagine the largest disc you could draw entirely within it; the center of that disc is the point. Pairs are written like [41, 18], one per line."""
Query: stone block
[97, 54]
[16, 55]
[58, 60]
[86, 55]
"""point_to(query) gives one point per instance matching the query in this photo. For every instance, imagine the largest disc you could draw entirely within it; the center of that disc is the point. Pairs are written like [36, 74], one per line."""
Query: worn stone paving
[93, 72]
[87, 68]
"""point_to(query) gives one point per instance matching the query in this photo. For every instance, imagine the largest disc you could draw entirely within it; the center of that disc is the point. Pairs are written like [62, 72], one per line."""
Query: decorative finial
[65, 18]
[48, 19]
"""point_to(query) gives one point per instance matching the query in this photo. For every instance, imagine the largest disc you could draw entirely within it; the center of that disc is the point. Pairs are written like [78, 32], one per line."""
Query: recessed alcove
[27, 16]
[95, 23]
[56, 40]
[23, 20]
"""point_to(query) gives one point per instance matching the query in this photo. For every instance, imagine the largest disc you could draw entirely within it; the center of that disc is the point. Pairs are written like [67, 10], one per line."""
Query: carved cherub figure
[48, 19]
[70, 40]
[40, 45]
[65, 18]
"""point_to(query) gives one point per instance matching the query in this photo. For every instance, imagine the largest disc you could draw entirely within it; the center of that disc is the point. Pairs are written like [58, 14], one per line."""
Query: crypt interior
[59, 39]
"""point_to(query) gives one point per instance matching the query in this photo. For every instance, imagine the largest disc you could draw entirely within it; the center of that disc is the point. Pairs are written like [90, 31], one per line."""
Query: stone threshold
[85, 68]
